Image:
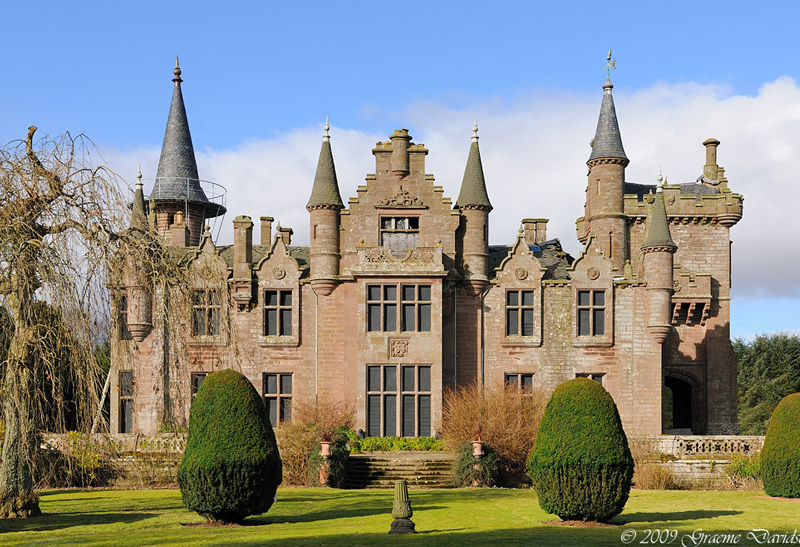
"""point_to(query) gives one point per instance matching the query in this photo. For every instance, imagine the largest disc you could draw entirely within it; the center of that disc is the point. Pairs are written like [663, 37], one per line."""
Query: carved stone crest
[398, 348]
[521, 273]
[278, 272]
[401, 199]
[592, 273]
[676, 285]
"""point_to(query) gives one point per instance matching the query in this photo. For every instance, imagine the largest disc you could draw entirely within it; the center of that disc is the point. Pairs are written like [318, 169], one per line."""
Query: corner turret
[324, 206]
[658, 250]
[473, 202]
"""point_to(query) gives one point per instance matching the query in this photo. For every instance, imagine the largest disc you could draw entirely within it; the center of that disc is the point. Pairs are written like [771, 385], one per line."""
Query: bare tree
[59, 224]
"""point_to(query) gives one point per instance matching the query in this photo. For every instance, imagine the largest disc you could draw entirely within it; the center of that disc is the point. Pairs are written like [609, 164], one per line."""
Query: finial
[177, 72]
[660, 180]
[475, 130]
[327, 137]
[610, 63]
[139, 176]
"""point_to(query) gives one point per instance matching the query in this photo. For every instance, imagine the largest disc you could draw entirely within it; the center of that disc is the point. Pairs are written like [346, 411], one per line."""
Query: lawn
[461, 517]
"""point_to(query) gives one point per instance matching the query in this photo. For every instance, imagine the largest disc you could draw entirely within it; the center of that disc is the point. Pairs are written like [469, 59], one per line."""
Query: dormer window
[400, 234]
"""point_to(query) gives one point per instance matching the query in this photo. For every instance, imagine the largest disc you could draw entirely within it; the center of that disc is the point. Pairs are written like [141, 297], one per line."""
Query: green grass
[321, 516]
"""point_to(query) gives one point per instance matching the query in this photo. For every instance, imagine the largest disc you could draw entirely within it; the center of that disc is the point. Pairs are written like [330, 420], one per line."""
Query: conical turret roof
[326, 185]
[176, 178]
[473, 186]
[138, 215]
[607, 143]
[658, 232]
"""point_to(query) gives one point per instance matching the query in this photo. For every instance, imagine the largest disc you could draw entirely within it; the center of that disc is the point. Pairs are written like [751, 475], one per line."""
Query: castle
[399, 296]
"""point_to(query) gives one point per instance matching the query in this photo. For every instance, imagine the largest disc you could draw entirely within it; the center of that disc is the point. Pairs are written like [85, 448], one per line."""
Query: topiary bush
[231, 467]
[780, 457]
[580, 465]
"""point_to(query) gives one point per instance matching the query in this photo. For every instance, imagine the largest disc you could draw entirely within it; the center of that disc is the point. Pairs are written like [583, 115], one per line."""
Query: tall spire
[473, 186]
[607, 142]
[176, 178]
[658, 232]
[326, 186]
[138, 217]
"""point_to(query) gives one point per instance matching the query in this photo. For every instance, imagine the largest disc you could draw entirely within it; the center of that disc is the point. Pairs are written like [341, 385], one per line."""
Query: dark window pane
[390, 415]
[197, 380]
[286, 322]
[408, 415]
[424, 317]
[424, 415]
[390, 317]
[389, 378]
[583, 298]
[599, 298]
[408, 292]
[374, 415]
[126, 384]
[599, 322]
[286, 410]
[512, 320]
[374, 380]
[512, 298]
[214, 322]
[271, 298]
[413, 223]
[272, 410]
[125, 416]
[271, 322]
[425, 293]
[408, 378]
[527, 322]
[390, 292]
[598, 378]
[374, 292]
[583, 323]
[511, 379]
[527, 380]
[286, 384]
[374, 322]
[286, 298]
[386, 223]
[214, 298]
[424, 378]
[271, 384]
[199, 322]
[409, 313]
[527, 298]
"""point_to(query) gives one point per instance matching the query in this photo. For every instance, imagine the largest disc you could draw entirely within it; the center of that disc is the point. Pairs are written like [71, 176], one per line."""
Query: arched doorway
[679, 400]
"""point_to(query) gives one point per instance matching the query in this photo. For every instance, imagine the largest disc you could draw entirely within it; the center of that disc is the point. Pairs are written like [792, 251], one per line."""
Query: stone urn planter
[325, 448]
[477, 448]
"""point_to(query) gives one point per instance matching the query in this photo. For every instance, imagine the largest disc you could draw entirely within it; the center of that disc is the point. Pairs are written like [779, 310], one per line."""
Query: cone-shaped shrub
[580, 465]
[780, 457]
[231, 467]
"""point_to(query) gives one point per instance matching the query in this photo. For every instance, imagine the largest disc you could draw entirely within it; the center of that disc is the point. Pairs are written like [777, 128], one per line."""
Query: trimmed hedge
[231, 467]
[392, 444]
[580, 465]
[780, 457]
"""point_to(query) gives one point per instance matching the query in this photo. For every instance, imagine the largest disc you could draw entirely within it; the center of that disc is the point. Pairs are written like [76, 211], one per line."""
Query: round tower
[658, 250]
[473, 202]
[604, 194]
[177, 187]
[324, 206]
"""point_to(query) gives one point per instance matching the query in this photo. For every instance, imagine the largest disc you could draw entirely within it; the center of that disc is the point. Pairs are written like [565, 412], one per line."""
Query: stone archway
[683, 409]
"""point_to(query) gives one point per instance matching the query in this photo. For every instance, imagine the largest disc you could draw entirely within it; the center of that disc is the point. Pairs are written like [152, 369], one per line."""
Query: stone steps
[382, 469]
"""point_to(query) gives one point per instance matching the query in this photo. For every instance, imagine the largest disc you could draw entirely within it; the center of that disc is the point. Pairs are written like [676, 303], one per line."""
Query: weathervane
[611, 64]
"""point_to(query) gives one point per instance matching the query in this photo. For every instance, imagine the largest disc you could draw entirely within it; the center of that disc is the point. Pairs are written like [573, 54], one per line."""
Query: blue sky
[260, 77]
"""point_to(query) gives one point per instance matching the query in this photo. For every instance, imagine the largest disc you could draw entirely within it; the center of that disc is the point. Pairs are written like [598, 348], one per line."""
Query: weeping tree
[59, 223]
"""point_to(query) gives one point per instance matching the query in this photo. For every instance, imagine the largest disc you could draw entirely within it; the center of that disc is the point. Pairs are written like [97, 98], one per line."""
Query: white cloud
[534, 151]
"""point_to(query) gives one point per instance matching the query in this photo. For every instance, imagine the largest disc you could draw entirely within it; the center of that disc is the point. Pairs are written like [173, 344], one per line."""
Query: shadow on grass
[672, 516]
[60, 521]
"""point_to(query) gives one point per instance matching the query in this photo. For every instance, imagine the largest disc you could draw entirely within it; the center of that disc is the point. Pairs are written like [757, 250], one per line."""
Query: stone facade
[398, 296]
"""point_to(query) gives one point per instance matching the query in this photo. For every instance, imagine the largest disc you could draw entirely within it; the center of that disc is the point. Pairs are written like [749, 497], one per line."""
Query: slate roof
[641, 190]
[550, 255]
[658, 232]
[176, 178]
[607, 141]
[326, 185]
[298, 252]
[473, 186]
